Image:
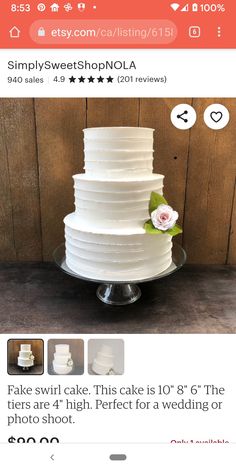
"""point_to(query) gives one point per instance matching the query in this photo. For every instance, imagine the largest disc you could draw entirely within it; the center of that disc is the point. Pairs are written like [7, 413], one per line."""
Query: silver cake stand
[117, 292]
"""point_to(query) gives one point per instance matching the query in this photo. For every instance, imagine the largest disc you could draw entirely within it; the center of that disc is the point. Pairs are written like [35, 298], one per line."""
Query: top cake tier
[118, 152]
[62, 348]
[25, 347]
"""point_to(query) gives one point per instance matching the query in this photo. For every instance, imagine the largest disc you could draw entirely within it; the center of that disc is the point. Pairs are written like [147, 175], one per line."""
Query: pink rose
[164, 217]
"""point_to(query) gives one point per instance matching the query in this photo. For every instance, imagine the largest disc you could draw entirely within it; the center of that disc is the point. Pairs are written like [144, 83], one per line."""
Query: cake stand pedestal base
[118, 294]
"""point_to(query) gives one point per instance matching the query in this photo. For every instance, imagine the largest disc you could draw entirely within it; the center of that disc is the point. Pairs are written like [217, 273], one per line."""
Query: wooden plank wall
[41, 147]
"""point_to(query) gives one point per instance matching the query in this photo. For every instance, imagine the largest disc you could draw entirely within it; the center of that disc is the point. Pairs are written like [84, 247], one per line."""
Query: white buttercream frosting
[25, 358]
[114, 203]
[62, 362]
[103, 363]
[105, 239]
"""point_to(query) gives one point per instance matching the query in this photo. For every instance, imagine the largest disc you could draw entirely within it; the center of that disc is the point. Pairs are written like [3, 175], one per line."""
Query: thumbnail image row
[65, 357]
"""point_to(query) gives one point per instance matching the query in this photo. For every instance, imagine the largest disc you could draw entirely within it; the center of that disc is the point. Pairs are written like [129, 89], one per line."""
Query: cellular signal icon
[185, 8]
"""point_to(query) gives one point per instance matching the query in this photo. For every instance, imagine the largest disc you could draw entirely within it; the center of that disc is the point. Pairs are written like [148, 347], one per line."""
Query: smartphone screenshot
[117, 235]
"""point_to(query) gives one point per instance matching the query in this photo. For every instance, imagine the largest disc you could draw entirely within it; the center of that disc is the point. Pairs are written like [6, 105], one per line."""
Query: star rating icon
[91, 79]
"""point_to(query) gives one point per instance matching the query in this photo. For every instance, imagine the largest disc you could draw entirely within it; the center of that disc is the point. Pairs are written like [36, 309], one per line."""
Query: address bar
[103, 32]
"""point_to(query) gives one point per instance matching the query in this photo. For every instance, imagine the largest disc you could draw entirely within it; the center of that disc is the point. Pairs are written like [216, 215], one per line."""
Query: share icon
[181, 117]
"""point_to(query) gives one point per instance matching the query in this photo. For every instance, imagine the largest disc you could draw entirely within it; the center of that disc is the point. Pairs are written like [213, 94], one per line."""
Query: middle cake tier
[114, 204]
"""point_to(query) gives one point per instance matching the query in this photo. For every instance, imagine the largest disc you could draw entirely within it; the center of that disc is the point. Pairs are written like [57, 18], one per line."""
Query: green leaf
[149, 228]
[155, 200]
[175, 230]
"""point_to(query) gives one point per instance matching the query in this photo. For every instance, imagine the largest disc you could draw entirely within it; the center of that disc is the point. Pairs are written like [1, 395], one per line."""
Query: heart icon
[216, 116]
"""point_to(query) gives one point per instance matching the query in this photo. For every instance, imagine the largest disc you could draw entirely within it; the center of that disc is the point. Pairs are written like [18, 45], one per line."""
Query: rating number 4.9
[59, 79]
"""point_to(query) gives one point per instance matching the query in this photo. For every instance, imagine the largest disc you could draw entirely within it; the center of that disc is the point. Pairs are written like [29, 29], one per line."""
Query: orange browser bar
[123, 24]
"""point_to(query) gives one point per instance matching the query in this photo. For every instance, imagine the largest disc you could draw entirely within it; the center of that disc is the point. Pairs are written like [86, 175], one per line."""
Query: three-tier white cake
[105, 236]
[25, 358]
[104, 361]
[62, 362]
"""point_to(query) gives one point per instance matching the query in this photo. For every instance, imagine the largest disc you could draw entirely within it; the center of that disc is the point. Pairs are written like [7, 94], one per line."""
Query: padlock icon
[41, 32]
[81, 6]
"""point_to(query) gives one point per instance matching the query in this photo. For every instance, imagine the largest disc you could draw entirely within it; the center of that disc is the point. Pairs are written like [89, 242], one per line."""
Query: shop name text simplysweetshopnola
[76, 65]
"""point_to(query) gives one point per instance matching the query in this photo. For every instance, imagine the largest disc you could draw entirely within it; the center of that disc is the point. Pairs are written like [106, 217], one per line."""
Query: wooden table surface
[39, 298]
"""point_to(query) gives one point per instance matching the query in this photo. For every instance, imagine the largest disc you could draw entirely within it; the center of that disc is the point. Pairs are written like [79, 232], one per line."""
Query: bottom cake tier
[115, 256]
[24, 362]
[62, 368]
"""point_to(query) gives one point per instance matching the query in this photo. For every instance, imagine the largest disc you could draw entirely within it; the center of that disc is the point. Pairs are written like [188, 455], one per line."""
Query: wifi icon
[175, 6]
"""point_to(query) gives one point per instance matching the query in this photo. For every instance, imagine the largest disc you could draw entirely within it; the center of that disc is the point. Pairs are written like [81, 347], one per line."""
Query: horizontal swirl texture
[105, 236]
